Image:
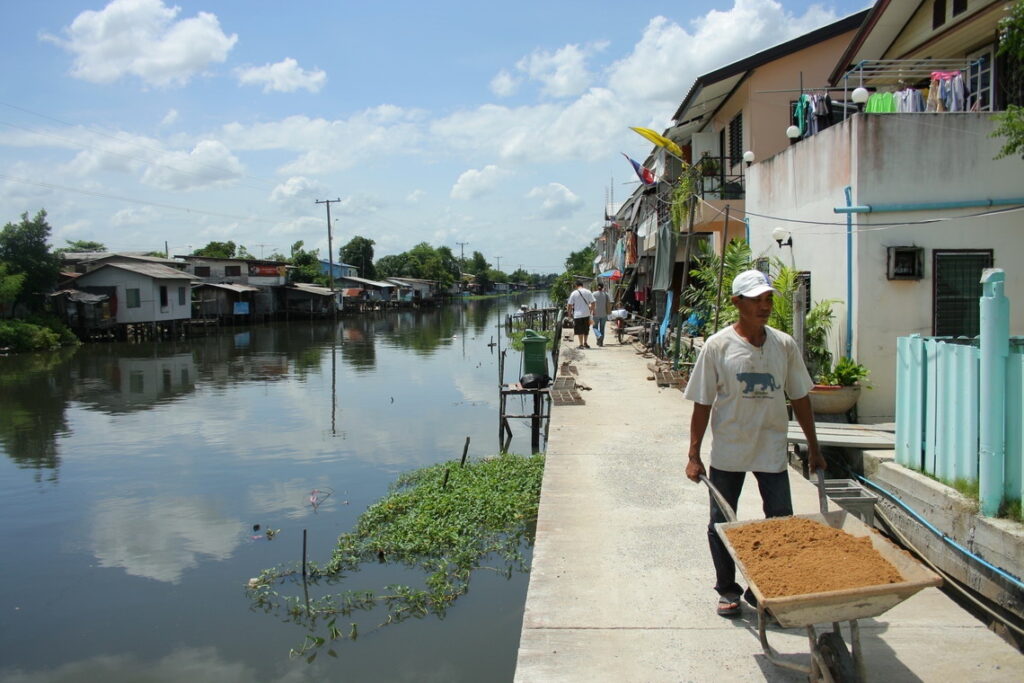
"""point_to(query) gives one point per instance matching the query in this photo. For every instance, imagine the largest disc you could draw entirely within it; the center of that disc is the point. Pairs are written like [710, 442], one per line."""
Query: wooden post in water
[465, 452]
[535, 423]
[303, 553]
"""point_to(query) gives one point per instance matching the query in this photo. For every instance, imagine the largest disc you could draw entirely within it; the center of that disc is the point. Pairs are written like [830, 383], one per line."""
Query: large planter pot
[829, 399]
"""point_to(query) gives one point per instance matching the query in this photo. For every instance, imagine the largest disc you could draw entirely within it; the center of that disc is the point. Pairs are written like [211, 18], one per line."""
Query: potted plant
[838, 389]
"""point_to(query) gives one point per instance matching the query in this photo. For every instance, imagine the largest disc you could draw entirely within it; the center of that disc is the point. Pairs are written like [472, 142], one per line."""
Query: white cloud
[668, 58]
[557, 201]
[132, 217]
[170, 117]
[474, 183]
[331, 145]
[210, 163]
[297, 189]
[283, 76]
[504, 84]
[563, 72]
[415, 196]
[143, 38]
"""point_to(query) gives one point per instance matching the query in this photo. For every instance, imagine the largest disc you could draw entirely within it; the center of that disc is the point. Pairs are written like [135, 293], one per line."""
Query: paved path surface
[621, 581]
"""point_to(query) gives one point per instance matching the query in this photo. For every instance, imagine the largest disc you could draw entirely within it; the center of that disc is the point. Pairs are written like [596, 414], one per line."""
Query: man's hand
[815, 461]
[695, 469]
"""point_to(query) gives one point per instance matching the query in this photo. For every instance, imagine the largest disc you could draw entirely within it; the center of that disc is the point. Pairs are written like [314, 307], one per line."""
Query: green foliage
[10, 284]
[359, 253]
[845, 373]
[444, 519]
[24, 251]
[579, 264]
[80, 246]
[687, 187]
[217, 250]
[702, 294]
[1011, 127]
[306, 265]
[1011, 50]
[21, 336]
[476, 264]
[817, 326]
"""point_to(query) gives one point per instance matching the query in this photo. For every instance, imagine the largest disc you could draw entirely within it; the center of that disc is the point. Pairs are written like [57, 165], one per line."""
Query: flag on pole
[659, 140]
[642, 172]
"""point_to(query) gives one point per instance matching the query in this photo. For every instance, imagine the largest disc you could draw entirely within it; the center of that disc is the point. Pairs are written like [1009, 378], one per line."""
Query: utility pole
[330, 255]
[261, 245]
[462, 254]
[330, 247]
[498, 259]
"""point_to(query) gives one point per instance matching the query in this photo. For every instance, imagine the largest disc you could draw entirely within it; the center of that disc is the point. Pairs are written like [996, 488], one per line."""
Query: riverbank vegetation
[446, 521]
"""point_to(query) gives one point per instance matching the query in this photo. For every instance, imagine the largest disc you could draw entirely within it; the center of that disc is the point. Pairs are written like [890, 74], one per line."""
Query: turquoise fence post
[995, 347]
[1014, 473]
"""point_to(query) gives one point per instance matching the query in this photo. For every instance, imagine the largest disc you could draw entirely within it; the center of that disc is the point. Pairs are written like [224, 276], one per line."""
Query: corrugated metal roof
[225, 285]
[372, 283]
[153, 270]
[310, 288]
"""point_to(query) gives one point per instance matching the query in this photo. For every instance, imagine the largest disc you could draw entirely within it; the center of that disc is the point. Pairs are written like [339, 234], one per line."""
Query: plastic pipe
[995, 347]
[931, 527]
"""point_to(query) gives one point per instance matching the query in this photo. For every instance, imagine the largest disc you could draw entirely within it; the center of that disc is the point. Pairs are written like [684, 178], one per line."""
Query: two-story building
[895, 212]
[266, 276]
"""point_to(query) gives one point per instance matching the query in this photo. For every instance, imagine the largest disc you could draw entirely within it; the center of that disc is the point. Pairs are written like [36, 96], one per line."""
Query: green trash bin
[534, 360]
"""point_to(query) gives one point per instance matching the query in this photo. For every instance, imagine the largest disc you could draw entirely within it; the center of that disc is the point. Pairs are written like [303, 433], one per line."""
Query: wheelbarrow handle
[730, 514]
[822, 498]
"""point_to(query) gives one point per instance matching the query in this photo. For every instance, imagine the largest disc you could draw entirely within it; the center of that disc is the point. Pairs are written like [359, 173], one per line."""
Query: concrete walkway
[621, 581]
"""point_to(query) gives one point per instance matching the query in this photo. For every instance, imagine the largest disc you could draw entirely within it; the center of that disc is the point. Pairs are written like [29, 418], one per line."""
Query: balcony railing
[715, 182]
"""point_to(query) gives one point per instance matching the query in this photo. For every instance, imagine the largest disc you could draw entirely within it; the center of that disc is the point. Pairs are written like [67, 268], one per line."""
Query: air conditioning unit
[905, 263]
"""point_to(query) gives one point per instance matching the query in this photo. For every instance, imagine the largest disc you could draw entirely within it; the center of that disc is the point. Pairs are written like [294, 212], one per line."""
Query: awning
[614, 274]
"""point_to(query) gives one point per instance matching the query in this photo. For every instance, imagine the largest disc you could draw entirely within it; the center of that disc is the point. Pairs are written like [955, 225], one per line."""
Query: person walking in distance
[739, 384]
[581, 306]
[602, 307]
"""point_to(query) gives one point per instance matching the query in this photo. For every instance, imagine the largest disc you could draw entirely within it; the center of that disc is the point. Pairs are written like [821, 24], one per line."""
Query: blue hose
[1009, 577]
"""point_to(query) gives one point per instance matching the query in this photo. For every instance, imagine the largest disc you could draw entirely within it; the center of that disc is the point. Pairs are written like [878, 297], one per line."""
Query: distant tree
[497, 275]
[306, 264]
[578, 264]
[81, 245]
[242, 252]
[359, 252]
[24, 251]
[519, 275]
[278, 256]
[449, 262]
[393, 265]
[476, 264]
[216, 250]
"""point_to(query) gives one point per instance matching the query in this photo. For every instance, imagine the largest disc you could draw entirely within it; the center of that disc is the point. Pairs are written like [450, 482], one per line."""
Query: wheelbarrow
[830, 659]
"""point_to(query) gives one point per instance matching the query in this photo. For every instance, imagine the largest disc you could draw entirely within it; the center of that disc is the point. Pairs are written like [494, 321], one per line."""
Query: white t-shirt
[747, 387]
[580, 300]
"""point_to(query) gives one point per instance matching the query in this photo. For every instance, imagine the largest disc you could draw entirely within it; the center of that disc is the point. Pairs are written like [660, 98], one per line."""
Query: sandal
[729, 606]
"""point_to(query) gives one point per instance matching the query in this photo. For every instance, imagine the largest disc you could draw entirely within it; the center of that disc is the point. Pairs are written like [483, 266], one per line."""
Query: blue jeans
[599, 327]
[776, 502]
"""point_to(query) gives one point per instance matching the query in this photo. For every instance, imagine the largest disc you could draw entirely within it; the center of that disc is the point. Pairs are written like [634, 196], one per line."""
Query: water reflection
[159, 538]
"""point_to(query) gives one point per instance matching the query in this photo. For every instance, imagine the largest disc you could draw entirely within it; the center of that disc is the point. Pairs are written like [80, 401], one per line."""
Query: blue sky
[141, 122]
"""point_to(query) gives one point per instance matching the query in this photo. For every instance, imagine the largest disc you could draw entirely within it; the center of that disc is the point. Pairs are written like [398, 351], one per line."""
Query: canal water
[132, 478]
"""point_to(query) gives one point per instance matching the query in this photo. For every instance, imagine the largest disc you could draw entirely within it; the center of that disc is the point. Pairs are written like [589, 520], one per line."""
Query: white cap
[751, 283]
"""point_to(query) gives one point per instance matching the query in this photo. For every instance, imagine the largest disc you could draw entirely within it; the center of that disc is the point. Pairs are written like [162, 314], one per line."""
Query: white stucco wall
[890, 159]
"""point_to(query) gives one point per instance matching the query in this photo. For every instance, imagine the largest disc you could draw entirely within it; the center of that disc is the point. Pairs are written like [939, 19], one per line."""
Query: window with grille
[979, 80]
[957, 288]
[132, 298]
[232, 271]
[736, 139]
[203, 271]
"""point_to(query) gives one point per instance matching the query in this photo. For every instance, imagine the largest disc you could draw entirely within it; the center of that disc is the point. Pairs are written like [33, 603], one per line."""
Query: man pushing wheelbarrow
[739, 384]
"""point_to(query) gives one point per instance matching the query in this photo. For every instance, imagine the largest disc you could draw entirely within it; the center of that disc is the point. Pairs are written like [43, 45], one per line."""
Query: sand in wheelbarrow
[787, 556]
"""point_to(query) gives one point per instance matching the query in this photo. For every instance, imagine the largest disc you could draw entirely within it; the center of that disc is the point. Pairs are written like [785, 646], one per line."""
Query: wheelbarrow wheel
[837, 658]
